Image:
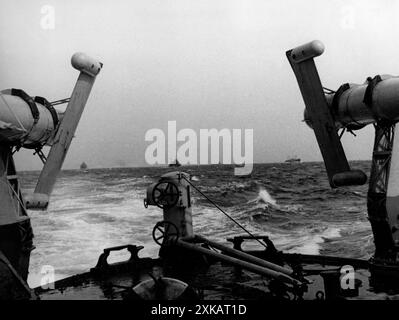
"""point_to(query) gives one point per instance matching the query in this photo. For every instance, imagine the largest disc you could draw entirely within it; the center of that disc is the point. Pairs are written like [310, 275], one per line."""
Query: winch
[172, 195]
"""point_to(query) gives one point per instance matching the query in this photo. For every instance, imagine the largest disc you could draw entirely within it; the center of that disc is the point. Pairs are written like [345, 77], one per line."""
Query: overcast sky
[205, 64]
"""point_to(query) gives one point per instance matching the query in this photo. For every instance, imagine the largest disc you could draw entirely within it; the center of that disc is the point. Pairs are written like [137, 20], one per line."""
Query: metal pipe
[239, 263]
[351, 109]
[246, 256]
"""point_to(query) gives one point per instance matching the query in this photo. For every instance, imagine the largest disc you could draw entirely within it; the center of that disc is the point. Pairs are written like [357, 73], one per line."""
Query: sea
[292, 203]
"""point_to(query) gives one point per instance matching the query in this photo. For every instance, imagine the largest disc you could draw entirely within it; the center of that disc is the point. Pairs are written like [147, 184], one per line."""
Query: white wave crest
[264, 196]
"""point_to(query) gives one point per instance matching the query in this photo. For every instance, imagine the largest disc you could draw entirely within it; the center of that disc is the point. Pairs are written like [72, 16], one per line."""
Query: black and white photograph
[199, 157]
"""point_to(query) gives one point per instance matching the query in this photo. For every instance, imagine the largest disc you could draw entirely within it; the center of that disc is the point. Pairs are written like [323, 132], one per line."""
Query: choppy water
[292, 203]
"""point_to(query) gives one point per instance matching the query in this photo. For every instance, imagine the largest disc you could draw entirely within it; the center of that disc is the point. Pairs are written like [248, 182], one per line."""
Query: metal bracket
[102, 263]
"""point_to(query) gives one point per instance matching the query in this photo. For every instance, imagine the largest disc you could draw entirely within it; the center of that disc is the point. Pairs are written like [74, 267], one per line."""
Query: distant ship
[175, 164]
[83, 166]
[293, 160]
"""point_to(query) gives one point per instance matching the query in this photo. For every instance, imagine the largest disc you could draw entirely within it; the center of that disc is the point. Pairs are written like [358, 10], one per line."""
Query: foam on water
[306, 242]
[91, 211]
[264, 196]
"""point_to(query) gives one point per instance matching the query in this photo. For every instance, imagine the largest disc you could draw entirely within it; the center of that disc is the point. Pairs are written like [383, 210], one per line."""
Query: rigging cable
[225, 213]
[61, 101]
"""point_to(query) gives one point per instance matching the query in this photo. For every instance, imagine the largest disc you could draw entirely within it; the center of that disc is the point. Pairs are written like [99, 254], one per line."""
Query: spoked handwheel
[165, 194]
[164, 229]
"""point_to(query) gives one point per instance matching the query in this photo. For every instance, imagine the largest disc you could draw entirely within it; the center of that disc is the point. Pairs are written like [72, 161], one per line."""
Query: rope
[11, 187]
[61, 101]
[15, 273]
[17, 196]
[225, 213]
[342, 133]
[327, 90]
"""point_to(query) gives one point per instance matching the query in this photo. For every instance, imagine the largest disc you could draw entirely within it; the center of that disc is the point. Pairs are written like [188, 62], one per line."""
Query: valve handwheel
[163, 228]
[165, 194]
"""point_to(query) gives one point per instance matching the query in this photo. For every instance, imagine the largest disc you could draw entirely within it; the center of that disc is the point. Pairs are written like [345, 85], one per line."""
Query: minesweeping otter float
[32, 123]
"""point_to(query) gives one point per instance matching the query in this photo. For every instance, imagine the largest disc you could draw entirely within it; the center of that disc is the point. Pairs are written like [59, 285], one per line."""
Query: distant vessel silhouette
[293, 160]
[83, 166]
[175, 164]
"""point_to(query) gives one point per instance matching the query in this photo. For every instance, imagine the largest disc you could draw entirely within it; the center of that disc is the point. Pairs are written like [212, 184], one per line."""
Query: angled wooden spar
[89, 69]
[301, 60]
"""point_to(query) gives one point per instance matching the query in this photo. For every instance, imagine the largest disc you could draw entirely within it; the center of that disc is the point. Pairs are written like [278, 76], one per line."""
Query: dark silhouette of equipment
[350, 108]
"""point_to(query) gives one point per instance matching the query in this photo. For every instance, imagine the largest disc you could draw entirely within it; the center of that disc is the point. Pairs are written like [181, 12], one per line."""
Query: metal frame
[377, 194]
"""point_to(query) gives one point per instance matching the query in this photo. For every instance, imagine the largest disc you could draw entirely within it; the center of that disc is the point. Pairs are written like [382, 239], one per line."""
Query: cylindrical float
[24, 120]
[356, 105]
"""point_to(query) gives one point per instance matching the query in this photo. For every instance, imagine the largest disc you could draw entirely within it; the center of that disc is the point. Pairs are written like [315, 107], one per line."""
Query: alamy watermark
[47, 277]
[348, 277]
[47, 20]
[210, 146]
